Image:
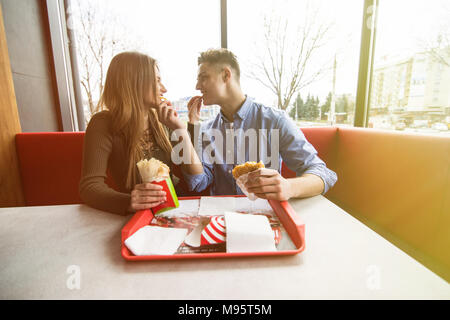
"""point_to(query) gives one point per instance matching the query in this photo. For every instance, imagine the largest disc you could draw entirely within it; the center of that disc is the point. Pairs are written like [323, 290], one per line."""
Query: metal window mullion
[62, 65]
[367, 50]
[74, 64]
[223, 24]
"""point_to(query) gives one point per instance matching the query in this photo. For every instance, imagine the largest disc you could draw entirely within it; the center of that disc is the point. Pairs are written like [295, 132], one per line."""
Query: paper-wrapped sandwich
[156, 172]
[245, 168]
[240, 173]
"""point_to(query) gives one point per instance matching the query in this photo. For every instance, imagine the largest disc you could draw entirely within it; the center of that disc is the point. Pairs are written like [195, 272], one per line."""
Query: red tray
[287, 216]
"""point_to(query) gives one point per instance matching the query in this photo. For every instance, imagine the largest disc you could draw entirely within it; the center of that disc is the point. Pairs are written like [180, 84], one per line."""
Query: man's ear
[226, 73]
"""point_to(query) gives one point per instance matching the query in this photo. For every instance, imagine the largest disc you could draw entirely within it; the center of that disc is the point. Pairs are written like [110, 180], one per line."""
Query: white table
[43, 249]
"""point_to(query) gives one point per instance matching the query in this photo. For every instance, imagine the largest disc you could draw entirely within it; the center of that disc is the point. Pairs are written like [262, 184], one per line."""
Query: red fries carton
[172, 199]
[156, 172]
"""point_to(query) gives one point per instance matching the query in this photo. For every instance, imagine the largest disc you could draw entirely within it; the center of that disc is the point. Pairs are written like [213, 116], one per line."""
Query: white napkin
[248, 233]
[241, 181]
[150, 240]
[213, 206]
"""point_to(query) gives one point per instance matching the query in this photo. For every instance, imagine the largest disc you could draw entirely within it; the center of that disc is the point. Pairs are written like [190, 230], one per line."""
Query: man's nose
[197, 86]
[163, 89]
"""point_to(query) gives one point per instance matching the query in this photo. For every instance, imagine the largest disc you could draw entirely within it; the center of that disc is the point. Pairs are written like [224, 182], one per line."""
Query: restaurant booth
[392, 182]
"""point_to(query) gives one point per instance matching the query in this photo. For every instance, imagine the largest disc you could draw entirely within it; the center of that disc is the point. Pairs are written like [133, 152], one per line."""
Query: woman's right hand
[145, 196]
[168, 116]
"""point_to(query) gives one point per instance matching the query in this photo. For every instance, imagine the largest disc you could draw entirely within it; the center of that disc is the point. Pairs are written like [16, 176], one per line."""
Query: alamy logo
[214, 148]
[74, 279]
[373, 281]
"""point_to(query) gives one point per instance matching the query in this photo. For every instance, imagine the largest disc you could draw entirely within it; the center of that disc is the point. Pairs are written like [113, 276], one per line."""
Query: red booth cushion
[50, 166]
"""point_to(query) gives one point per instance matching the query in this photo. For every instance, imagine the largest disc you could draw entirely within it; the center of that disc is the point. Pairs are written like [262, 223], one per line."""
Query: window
[173, 32]
[316, 43]
[267, 37]
[412, 37]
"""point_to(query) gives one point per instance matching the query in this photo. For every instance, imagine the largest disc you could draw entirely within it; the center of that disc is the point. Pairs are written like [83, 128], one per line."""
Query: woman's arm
[96, 150]
[184, 152]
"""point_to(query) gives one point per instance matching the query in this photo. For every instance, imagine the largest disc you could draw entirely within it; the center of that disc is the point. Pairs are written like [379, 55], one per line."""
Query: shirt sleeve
[199, 182]
[299, 155]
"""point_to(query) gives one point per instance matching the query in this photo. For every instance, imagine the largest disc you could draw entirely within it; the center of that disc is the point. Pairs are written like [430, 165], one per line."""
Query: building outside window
[411, 79]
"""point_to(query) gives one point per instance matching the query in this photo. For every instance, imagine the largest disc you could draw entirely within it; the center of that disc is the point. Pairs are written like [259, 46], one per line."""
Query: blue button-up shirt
[257, 133]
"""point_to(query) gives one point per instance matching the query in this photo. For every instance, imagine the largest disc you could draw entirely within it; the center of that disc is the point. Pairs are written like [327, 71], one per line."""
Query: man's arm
[201, 180]
[269, 184]
[307, 185]
[193, 164]
[169, 117]
[198, 182]
[313, 177]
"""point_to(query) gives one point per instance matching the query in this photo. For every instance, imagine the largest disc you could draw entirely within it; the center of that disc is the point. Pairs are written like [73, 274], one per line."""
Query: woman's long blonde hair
[130, 78]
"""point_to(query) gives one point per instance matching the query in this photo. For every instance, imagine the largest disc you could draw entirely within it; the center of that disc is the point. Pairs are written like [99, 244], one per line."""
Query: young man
[239, 119]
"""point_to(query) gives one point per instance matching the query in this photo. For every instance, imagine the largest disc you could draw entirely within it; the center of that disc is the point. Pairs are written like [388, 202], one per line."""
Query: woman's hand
[145, 196]
[169, 117]
[194, 106]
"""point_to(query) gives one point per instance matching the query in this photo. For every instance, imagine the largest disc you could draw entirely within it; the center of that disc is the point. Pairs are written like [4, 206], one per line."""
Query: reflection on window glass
[410, 88]
[300, 56]
[173, 32]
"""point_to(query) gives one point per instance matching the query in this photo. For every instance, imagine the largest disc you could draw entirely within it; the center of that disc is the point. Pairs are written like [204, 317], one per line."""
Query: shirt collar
[243, 110]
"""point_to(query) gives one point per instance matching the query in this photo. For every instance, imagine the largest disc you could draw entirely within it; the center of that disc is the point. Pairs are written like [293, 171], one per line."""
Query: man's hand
[169, 117]
[194, 106]
[268, 184]
[145, 196]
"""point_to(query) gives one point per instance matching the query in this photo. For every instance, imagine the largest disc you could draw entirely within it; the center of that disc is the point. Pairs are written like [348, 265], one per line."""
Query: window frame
[62, 64]
[366, 57]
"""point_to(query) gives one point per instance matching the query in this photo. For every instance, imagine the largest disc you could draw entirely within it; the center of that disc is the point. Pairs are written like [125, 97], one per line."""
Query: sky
[404, 26]
[342, 40]
[175, 32]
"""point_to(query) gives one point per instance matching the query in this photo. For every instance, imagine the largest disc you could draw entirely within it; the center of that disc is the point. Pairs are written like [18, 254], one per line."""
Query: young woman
[132, 123]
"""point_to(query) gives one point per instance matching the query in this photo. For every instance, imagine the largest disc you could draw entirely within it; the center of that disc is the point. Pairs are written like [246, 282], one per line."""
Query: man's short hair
[220, 56]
